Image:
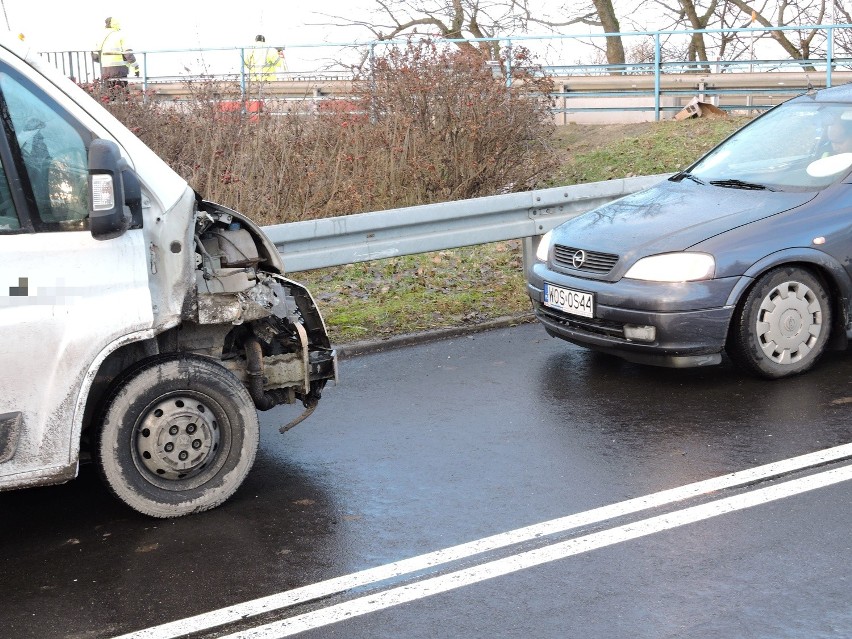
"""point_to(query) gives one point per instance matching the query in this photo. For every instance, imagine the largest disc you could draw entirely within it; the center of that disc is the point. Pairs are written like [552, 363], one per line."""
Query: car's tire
[782, 326]
[178, 434]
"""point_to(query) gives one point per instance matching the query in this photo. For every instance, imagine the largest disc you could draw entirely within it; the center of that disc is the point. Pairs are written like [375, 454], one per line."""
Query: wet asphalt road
[425, 447]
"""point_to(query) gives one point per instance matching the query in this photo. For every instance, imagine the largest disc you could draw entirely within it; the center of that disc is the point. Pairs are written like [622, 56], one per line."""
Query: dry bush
[429, 125]
[439, 126]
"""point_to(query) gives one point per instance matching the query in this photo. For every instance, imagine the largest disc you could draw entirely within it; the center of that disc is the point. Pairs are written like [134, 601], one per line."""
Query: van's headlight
[543, 247]
[673, 267]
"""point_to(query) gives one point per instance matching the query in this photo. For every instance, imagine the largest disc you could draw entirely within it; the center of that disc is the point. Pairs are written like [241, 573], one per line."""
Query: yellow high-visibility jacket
[264, 64]
[112, 49]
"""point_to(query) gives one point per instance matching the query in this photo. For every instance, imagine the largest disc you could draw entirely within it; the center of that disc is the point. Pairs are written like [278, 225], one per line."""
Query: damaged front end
[264, 328]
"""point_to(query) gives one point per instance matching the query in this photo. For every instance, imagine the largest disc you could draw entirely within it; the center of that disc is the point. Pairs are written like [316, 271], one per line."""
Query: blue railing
[652, 78]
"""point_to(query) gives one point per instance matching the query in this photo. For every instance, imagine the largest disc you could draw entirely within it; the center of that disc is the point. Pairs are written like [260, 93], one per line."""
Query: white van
[139, 322]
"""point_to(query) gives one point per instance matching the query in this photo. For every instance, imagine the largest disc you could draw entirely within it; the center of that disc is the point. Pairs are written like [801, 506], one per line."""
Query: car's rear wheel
[782, 326]
[179, 434]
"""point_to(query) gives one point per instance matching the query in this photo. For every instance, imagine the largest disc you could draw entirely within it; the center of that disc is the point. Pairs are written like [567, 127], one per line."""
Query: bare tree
[690, 14]
[843, 36]
[799, 44]
[600, 13]
[481, 19]
[459, 20]
[609, 22]
[468, 22]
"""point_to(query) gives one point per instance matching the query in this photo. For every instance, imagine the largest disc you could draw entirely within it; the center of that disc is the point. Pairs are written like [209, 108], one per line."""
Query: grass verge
[397, 296]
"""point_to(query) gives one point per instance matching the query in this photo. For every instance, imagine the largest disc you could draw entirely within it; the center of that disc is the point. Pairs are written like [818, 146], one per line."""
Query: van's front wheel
[179, 434]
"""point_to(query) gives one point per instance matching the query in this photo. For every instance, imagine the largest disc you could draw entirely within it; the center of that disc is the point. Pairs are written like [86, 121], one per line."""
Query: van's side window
[8, 216]
[53, 154]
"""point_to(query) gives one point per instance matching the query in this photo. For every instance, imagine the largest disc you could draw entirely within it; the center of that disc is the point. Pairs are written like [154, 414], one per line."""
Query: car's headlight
[673, 267]
[543, 247]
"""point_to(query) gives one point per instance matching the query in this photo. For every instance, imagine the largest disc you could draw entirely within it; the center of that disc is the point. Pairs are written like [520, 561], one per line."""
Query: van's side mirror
[108, 215]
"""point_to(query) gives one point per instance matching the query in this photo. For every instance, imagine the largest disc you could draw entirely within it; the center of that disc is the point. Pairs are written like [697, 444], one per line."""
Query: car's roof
[841, 93]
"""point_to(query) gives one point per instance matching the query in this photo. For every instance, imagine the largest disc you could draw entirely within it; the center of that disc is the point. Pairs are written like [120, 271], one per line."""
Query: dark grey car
[747, 251]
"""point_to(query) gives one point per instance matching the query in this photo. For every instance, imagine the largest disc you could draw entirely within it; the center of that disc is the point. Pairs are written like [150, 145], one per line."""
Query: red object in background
[238, 107]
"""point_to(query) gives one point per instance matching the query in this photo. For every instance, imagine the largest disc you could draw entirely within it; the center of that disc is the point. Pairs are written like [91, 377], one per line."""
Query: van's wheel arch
[177, 434]
[783, 324]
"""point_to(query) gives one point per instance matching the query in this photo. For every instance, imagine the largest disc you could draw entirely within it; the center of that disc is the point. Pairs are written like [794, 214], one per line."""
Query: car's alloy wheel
[782, 326]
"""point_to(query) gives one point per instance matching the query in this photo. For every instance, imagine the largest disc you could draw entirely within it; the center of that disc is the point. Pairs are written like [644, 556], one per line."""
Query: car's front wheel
[782, 326]
[179, 433]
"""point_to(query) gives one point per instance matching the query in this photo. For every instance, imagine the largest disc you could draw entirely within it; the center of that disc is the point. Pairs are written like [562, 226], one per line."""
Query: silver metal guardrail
[433, 227]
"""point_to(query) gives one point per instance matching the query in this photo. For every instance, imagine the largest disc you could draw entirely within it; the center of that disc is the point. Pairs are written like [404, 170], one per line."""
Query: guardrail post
[509, 65]
[145, 77]
[657, 65]
[372, 82]
[828, 55]
[71, 65]
[242, 74]
[530, 246]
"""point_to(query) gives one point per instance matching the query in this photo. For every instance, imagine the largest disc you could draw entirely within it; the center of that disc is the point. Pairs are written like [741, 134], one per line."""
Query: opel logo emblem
[579, 259]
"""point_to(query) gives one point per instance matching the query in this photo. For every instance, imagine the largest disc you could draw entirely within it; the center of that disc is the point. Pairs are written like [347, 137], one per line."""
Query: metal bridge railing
[647, 84]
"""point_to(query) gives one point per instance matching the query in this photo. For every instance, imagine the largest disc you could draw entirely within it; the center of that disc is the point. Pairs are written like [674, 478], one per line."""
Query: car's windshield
[798, 146]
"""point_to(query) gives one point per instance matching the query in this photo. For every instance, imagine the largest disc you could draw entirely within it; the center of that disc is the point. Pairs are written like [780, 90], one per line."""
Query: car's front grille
[582, 260]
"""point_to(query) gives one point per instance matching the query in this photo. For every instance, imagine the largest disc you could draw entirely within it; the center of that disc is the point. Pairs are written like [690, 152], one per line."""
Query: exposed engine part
[263, 400]
[278, 345]
[309, 408]
[228, 260]
[233, 246]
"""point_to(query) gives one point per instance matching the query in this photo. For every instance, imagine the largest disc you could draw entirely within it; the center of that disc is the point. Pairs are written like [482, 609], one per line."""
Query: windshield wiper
[689, 176]
[740, 184]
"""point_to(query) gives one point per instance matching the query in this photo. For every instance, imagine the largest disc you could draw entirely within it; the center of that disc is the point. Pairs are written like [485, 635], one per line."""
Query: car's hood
[671, 216]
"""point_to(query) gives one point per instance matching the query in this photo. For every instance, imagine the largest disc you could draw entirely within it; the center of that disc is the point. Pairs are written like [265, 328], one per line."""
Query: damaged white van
[139, 322]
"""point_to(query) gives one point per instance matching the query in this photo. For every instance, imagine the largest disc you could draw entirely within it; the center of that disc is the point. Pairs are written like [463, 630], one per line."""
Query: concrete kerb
[345, 351]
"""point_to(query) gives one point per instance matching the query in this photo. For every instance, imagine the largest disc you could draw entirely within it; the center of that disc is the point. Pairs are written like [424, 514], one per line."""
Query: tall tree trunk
[614, 45]
[697, 49]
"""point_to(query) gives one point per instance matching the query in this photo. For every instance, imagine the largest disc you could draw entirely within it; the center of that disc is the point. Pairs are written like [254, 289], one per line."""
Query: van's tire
[178, 434]
[782, 326]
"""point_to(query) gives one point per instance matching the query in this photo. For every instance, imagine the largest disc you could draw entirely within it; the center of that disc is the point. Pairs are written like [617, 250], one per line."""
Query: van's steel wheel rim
[789, 322]
[177, 437]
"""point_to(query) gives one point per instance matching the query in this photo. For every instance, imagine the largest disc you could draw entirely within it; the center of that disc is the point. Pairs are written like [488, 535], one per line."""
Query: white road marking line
[529, 559]
[237, 612]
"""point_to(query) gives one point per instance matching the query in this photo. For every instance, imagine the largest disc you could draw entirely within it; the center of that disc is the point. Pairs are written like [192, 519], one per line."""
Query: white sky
[78, 25]
[66, 25]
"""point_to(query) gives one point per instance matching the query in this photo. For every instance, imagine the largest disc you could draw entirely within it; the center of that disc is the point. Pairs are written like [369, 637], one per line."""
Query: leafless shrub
[428, 124]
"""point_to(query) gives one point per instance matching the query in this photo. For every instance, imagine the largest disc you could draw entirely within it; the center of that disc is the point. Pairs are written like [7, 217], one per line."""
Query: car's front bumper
[690, 330]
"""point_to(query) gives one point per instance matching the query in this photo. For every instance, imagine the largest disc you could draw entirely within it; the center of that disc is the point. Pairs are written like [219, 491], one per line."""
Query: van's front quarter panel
[64, 298]
[170, 244]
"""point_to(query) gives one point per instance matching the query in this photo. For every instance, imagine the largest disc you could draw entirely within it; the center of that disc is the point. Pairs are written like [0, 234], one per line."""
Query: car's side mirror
[108, 215]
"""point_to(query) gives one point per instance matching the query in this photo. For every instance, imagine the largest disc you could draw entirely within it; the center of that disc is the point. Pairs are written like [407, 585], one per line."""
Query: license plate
[569, 301]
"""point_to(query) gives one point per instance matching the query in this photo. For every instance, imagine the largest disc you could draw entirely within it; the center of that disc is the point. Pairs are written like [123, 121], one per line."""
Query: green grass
[471, 285]
[415, 293]
[594, 154]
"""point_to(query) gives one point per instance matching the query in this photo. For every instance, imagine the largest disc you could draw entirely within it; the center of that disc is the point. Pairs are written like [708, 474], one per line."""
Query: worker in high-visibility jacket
[263, 64]
[116, 58]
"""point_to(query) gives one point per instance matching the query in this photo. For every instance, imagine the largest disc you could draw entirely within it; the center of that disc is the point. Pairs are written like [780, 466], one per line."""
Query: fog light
[640, 333]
